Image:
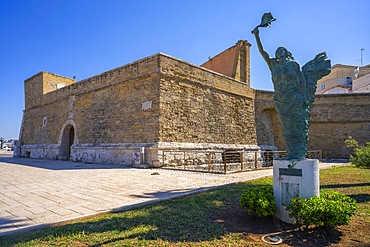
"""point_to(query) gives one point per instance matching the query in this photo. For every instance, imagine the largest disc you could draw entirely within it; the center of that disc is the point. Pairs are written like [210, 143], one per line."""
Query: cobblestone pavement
[37, 193]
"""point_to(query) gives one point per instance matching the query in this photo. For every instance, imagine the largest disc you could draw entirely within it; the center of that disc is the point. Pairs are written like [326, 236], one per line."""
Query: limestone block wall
[200, 106]
[157, 103]
[117, 114]
[42, 125]
[42, 83]
[268, 127]
[334, 117]
[33, 90]
[112, 115]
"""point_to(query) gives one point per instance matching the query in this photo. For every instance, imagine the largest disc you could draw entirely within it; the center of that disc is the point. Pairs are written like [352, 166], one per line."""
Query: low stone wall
[110, 154]
[128, 154]
[203, 154]
[40, 151]
[151, 154]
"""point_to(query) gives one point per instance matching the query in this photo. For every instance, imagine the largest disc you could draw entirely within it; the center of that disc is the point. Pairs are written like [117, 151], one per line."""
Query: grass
[353, 182]
[194, 220]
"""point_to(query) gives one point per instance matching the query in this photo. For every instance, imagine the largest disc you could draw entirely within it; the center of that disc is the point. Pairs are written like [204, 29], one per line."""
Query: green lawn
[190, 221]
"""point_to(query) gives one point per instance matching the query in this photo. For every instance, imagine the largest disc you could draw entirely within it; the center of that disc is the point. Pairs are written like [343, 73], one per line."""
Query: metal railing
[224, 161]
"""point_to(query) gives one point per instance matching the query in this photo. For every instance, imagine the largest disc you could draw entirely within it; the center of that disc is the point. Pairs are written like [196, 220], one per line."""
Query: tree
[361, 154]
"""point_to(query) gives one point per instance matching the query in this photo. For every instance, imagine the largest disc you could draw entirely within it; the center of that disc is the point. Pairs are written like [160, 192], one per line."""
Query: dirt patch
[236, 220]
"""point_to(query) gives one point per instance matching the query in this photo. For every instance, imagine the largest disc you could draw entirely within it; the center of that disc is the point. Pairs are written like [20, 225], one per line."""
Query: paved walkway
[37, 193]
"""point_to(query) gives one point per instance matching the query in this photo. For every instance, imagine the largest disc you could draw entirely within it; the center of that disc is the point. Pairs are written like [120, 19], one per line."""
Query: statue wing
[313, 71]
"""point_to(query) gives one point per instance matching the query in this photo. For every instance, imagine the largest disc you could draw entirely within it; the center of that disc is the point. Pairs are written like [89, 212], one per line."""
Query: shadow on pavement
[6, 223]
[57, 164]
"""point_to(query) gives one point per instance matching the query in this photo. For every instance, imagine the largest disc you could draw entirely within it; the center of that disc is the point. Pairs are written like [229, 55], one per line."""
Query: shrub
[361, 154]
[330, 210]
[258, 201]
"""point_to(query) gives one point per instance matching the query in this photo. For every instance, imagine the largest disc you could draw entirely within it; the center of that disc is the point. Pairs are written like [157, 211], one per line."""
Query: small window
[322, 86]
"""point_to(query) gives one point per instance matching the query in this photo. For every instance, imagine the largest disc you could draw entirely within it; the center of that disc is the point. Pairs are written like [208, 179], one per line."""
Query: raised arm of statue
[265, 22]
[264, 54]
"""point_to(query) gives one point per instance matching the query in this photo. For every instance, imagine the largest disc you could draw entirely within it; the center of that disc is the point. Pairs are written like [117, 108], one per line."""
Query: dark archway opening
[68, 137]
[71, 140]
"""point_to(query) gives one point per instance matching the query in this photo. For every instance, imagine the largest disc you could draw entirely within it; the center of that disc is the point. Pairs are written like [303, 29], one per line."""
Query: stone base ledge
[129, 154]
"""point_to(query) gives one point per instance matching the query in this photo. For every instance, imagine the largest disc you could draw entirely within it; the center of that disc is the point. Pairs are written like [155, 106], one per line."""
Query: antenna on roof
[361, 55]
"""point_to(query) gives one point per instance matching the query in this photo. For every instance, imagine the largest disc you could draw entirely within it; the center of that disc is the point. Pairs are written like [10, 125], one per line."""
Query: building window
[322, 86]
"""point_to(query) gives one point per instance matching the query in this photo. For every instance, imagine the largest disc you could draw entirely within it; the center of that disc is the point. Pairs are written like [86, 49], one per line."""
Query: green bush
[258, 201]
[361, 154]
[330, 210]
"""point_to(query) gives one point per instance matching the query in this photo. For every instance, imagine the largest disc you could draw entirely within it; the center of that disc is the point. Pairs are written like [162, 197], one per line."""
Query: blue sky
[83, 38]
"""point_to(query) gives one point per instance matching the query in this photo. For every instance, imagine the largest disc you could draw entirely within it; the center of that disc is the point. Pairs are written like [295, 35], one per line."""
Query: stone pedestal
[302, 180]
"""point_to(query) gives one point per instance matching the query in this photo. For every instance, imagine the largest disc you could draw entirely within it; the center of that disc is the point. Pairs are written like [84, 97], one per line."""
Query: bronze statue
[294, 91]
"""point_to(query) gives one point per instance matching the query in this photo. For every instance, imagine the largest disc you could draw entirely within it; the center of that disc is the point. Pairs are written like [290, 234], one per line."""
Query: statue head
[283, 52]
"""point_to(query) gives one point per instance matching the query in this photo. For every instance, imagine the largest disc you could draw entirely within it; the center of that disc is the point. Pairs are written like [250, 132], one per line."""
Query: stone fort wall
[200, 106]
[132, 114]
[105, 111]
[334, 117]
[157, 103]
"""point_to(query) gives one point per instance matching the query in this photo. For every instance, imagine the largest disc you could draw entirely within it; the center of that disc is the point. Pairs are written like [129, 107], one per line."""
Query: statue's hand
[256, 31]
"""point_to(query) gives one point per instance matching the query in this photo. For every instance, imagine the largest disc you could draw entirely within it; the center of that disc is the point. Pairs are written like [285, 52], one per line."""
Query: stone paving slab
[37, 193]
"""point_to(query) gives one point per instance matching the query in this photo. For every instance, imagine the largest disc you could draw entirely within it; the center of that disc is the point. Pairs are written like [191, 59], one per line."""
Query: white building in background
[361, 84]
[345, 79]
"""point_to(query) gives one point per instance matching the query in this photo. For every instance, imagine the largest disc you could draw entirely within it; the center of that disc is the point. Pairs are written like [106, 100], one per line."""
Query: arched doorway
[265, 127]
[67, 140]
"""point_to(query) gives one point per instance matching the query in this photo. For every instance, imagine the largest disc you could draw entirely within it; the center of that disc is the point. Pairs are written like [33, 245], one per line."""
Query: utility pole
[361, 56]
